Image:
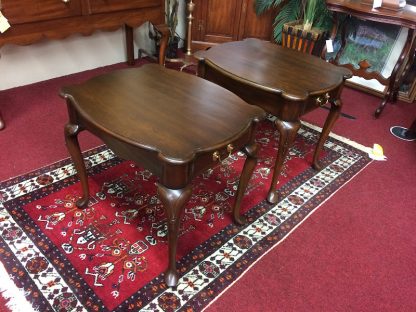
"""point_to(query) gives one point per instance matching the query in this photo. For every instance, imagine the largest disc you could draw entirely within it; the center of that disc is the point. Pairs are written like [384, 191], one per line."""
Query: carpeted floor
[356, 253]
[112, 255]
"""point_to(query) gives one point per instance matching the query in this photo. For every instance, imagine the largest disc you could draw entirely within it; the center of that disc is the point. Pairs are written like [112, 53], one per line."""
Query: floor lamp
[188, 58]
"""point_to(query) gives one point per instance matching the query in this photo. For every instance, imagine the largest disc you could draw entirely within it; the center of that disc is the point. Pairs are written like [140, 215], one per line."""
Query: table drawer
[215, 156]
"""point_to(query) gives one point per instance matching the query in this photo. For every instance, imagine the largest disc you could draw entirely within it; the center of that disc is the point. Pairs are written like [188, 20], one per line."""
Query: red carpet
[355, 253]
[111, 255]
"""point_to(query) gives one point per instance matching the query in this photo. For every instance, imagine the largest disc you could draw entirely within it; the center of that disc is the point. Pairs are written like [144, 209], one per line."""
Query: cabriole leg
[329, 123]
[249, 165]
[71, 139]
[288, 131]
[174, 202]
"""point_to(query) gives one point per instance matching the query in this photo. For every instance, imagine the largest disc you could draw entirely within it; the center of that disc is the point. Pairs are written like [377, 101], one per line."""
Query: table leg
[288, 131]
[174, 202]
[412, 128]
[71, 139]
[129, 44]
[249, 165]
[400, 79]
[329, 122]
[393, 86]
[334, 30]
[164, 31]
[2, 124]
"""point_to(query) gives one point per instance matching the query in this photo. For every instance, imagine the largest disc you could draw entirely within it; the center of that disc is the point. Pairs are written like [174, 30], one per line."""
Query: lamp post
[190, 8]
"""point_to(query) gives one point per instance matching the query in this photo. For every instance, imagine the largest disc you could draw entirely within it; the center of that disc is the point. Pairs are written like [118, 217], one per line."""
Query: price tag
[377, 4]
[329, 46]
[4, 24]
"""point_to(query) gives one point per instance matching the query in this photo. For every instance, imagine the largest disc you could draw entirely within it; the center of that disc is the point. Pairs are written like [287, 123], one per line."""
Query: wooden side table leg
[2, 124]
[71, 139]
[412, 128]
[329, 123]
[343, 39]
[164, 31]
[249, 165]
[173, 201]
[383, 103]
[334, 30]
[129, 44]
[393, 82]
[288, 131]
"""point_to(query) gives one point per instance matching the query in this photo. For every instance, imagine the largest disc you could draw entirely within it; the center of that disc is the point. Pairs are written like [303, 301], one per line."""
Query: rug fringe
[331, 134]
[339, 138]
[17, 301]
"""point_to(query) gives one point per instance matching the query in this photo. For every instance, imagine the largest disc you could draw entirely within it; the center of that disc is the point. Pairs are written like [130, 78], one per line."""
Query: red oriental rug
[111, 256]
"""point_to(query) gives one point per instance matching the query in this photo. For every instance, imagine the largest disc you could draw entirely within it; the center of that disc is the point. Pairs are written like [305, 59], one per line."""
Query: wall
[21, 65]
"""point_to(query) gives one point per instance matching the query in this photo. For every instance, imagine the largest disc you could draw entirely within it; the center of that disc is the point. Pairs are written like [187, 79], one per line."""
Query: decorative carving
[364, 64]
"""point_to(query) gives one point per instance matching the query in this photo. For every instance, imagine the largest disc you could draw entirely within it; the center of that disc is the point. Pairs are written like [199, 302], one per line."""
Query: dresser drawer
[27, 11]
[103, 6]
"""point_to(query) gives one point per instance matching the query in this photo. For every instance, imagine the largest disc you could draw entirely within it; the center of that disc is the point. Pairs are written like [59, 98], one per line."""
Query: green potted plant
[172, 22]
[171, 18]
[307, 18]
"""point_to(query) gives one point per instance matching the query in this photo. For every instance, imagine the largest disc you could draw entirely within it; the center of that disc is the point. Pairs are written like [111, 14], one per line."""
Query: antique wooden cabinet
[33, 20]
[217, 21]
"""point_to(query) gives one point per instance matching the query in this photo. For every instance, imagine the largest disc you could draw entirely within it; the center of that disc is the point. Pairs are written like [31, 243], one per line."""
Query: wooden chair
[306, 42]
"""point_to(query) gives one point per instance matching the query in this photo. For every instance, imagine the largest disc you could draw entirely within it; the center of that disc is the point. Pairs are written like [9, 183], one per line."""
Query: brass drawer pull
[230, 149]
[216, 156]
[322, 100]
[327, 97]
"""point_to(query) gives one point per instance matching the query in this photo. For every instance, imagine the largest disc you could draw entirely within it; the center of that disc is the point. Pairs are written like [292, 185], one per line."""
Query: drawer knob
[327, 97]
[322, 100]
[230, 149]
[216, 156]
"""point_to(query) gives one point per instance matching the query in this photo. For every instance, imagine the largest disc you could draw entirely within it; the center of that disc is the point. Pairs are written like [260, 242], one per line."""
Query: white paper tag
[329, 46]
[4, 24]
[377, 4]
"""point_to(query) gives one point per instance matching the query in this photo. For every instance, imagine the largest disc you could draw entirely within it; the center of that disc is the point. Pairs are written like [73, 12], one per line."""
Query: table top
[405, 17]
[267, 66]
[162, 110]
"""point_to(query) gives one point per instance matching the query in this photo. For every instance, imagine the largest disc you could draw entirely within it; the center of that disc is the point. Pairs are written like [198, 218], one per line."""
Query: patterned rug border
[282, 239]
[16, 181]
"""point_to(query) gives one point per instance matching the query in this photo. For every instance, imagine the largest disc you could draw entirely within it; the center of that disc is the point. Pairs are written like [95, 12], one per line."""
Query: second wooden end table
[284, 82]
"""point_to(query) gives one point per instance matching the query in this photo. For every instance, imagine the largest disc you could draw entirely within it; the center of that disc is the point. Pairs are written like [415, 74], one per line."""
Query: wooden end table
[284, 82]
[174, 124]
[2, 124]
[404, 18]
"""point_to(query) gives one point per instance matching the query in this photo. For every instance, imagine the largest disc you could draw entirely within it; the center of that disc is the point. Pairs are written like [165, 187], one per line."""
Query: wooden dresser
[34, 20]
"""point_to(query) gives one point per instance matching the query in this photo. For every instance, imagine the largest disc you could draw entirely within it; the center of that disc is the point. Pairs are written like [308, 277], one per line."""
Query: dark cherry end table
[284, 82]
[174, 124]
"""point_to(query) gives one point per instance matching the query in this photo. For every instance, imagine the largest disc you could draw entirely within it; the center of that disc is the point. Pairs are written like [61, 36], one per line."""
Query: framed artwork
[379, 44]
